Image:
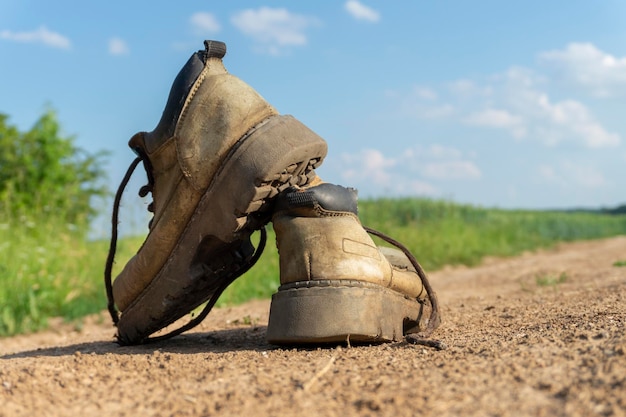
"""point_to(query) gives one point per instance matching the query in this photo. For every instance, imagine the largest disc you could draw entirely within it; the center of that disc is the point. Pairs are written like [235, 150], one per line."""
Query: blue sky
[498, 104]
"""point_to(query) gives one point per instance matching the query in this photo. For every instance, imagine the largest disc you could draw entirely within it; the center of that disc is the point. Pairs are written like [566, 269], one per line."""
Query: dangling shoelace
[435, 318]
[108, 268]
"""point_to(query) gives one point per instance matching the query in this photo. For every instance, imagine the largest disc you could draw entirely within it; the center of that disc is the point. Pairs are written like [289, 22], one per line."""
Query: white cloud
[371, 165]
[422, 103]
[497, 118]
[441, 152]
[425, 93]
[273, 29]
[569, 175]
[442, 163]
[588, 177]
[360, 11]
[434, 112]
[204, 23]
[424, 188]
[409, 172]
[567, 119]
[451, 170]
[40, 35]
[585, 65]
[118, 46]
[375, 160]
[548, 173]
[514, 101]
[464, 87]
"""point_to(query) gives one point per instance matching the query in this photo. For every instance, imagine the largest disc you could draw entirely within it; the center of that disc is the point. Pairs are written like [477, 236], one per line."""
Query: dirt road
[543, 334]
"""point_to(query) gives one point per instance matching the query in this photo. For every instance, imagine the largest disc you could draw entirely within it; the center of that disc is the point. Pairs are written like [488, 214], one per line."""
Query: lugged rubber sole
[276, 154]
[327, 311]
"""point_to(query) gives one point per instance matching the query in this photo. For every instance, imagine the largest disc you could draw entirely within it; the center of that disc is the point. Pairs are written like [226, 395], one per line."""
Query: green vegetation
[43, 173]
[48, 187]
[620, 263]
[550, 280]
[49, 268]
[442, 232]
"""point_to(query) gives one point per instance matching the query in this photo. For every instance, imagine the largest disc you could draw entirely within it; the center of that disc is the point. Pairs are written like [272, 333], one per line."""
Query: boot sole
[276, 154]
[327, 311]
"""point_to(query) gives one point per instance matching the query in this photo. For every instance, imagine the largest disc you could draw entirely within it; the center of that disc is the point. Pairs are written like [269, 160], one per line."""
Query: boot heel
[340, 311]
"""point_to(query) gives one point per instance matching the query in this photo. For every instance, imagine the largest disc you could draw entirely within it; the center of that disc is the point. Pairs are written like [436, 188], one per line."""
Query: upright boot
[336, 284]
[215, 162]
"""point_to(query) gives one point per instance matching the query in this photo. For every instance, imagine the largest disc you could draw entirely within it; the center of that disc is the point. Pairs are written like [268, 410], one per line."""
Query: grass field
[49, 270]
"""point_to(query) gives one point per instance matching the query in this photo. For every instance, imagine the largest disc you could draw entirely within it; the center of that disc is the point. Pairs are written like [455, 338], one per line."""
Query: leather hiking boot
[215, 161]
[337, 285]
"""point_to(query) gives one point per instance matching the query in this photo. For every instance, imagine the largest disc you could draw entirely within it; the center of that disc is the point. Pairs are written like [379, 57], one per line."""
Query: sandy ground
[515, 347]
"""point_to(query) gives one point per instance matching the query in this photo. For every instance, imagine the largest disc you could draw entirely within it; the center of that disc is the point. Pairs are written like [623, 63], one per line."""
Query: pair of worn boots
[221, 164]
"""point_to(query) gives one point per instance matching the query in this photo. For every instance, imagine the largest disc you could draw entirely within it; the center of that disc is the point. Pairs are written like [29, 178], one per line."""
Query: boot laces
[435, 317]
[143, 191]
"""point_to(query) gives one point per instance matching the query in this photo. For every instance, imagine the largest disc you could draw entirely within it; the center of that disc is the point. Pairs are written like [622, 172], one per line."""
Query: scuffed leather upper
[320, 237]
[184, 155]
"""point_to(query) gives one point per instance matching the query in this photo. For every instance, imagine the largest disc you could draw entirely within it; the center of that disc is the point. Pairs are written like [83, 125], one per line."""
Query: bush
[43, 174]
[47, 266]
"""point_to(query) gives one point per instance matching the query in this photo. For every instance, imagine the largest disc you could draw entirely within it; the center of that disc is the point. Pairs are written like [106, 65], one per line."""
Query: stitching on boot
[183, 115]
[190, 96]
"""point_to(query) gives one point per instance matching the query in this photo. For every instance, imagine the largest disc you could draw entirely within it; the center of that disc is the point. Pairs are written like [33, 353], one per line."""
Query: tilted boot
[336, 284]
[215, 162]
